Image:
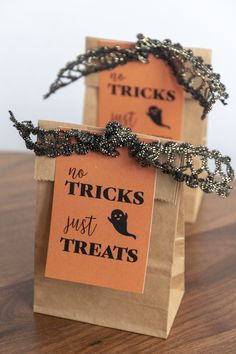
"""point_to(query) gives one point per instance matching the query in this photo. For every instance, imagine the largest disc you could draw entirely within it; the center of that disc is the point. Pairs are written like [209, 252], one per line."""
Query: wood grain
[205, 323]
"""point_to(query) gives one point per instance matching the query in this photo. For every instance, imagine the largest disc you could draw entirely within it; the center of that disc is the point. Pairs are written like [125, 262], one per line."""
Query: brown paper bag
[194, 130]
[151, 313]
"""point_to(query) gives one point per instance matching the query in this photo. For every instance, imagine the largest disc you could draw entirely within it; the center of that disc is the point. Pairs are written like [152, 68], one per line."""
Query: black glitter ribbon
[191, 72]
[57, 142]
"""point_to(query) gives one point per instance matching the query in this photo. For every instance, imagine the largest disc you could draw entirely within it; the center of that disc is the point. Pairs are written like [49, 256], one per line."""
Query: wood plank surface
[205, 323]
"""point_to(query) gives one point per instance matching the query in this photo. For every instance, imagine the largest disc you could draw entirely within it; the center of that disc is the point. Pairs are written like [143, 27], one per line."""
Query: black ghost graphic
[155, 114]
[119, 222]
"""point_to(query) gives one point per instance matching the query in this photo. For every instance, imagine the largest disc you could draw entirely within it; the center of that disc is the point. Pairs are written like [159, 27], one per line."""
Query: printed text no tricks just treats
[88, 226]
[116, 88]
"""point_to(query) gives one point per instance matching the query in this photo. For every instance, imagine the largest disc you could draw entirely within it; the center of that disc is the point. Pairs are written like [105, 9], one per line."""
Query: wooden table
[205, 323]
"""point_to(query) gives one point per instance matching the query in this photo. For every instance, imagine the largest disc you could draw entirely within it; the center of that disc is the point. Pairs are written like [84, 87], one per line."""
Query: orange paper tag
[145, 97]
[101, 221]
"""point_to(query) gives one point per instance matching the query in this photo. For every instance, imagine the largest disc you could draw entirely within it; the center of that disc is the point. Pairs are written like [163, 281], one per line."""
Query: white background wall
[39, 37]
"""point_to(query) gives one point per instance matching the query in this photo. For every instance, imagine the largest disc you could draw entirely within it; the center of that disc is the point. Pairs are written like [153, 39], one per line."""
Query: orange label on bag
[101, 221]
[144, 97]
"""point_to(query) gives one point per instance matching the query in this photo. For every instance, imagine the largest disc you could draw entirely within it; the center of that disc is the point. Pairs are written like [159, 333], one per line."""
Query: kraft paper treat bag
[163, 115]
[147, 305]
